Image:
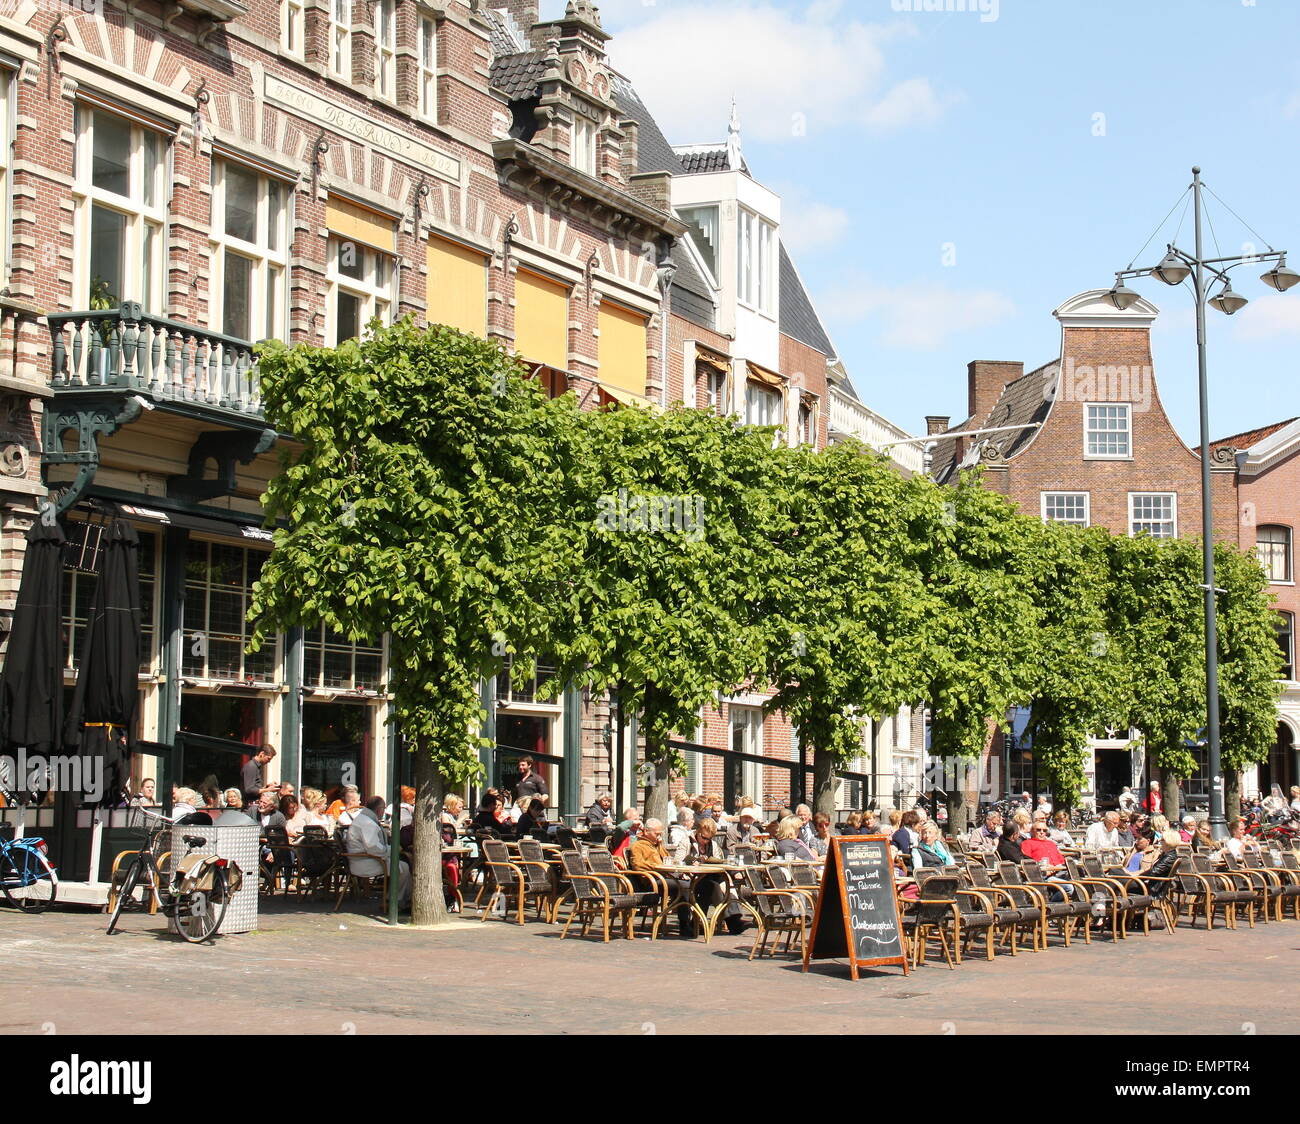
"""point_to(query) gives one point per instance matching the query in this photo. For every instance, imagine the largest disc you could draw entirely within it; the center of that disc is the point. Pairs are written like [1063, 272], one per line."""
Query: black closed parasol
[31, 685]
[101, 720]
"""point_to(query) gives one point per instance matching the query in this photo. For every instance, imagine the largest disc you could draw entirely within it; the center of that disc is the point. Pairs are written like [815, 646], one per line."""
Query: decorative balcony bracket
[225, 447]
[91, 418]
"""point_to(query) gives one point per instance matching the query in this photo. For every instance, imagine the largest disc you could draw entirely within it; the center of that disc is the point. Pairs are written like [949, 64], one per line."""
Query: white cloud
[791, 72]
[1268, 317]
[807, 225]
[916, 316]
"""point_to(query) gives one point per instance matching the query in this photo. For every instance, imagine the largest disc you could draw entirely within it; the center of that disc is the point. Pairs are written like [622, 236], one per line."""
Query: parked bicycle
[201, 886]
[27, 876]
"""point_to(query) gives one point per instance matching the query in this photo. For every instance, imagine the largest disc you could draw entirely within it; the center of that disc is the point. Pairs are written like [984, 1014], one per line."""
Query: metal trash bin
[239, 844]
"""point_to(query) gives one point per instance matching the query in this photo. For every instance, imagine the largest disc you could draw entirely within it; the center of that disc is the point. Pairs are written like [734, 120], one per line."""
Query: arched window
[1273, 549]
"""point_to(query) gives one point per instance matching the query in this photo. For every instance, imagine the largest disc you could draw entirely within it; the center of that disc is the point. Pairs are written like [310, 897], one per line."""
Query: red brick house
[1084, 439]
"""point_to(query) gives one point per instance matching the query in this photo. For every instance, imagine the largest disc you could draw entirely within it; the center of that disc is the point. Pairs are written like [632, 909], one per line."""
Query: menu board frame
[832, 920]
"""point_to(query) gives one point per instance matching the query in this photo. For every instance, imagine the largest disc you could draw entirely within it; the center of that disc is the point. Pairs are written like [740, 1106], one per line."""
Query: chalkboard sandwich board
[857, 908]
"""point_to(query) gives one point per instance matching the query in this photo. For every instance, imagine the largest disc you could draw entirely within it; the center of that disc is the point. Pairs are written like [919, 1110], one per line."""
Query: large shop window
[218, 587]
[81, 561]
[220, 716]
[622, 348]
[542, 320]
[457, 286]
[119, 185]
[336, 743]
[332, 661]
[249, 258]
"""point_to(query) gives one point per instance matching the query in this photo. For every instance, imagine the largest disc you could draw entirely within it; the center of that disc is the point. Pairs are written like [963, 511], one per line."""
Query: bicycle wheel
[29, 881]
[125, 891]
[199, 913]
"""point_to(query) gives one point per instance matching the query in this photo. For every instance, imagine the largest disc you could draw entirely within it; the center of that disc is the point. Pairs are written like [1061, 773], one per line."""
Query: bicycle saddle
[194, 840]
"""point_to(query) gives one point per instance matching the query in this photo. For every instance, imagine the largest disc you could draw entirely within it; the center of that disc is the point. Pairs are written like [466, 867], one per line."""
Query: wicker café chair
[1013, 913]
[1138, 897]
[519, 877]
[1027, 878]
[605, 896]
[539, 879]
[1231, 890]
[937, 914]
[1105, 892]
[776, 911]
[1288, 887]
[1203, 890]
[1265, 882]
[600, 861]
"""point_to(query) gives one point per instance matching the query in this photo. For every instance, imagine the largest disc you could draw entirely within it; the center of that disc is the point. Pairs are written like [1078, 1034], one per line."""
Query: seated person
[600, 816]
[679, 835]
[486, 820]
[930, 851]
[821, 840]
[1060, 831]
[649, 853]
[369, 850]
[1009, 849]
[745, 828]
[532, 824]
[788, 843]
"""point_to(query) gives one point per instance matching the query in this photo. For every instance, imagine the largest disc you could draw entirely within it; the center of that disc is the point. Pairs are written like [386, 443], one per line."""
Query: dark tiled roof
[505, 37]
[517, 75]
[799, 320]
[1022, 402]
[705, 160]
[654, 153]
[1251, 437]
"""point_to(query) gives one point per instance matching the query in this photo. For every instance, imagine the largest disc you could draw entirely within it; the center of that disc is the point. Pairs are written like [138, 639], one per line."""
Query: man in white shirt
[1104, 833]
[351, 805]
[369, 847]
[1127, 801]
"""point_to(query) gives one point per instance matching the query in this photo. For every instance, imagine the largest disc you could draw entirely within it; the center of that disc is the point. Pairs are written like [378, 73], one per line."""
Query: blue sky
[950, 178]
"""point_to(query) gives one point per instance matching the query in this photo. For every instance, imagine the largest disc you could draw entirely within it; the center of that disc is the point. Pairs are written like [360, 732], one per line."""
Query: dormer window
[702, 226]
[756, 262]
[584, 144]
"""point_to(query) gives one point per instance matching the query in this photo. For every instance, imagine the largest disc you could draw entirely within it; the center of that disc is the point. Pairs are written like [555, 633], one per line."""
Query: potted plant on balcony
[104, 332]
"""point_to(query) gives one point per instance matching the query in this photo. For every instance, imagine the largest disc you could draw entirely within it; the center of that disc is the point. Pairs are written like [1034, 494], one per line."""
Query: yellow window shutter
[542, 320]
[457, 287]
[350, 221]
[622, 348]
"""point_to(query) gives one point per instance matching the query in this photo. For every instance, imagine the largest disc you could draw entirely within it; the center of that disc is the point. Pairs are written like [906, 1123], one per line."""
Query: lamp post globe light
[1176, 267]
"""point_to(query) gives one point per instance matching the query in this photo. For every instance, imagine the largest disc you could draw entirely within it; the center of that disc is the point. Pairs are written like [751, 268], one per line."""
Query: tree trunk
[823, 794]
[1170, 795]
[428, 904]
[958, 822]
[1231, 794]
[656, 793]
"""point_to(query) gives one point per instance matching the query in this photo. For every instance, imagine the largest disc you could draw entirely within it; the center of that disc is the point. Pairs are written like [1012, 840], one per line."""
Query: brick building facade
[185, 178]
[1084, 439]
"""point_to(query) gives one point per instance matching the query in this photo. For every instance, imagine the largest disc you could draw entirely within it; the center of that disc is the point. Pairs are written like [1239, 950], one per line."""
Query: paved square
[309, 971]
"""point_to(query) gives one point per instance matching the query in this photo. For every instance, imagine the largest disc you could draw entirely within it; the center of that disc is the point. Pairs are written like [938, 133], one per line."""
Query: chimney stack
[934, 423]
[525, 13]
[986, 379]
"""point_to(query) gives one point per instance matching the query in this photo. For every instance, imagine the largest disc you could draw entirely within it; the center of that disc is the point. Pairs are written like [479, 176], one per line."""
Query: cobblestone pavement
[311, 971]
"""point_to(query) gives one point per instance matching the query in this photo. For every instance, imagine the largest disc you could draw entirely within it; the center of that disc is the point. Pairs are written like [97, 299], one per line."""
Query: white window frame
[1046, 497]
[712, 213]
[340, 39]
[1172, 497]
[378, 297]
[385, 25]
[269, 294]
[141, 281]
[293, 27]
[1289, 572]
[755, 392]
[428, 68]
[585, 135]
[756, 262]
[1088, 431]
[751, 771]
